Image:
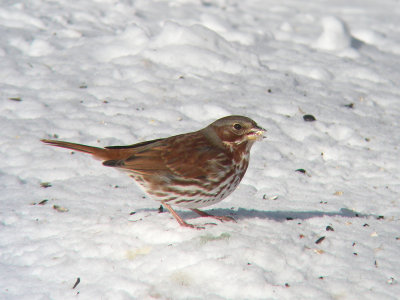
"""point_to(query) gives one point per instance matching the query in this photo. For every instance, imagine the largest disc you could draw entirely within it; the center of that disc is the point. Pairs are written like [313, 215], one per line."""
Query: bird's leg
[220, 218]
[178, 218]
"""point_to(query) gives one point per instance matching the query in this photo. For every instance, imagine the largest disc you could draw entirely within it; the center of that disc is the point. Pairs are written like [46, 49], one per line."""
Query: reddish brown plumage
[191, 170]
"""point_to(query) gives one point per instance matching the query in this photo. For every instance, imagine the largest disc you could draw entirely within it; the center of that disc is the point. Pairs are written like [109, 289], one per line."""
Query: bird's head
[234, 131]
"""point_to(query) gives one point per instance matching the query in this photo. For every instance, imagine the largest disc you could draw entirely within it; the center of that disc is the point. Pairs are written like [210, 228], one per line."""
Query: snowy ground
[111, 72]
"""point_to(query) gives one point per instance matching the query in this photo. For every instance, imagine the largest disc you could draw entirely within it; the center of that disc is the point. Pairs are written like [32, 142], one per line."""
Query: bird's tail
[99, 153]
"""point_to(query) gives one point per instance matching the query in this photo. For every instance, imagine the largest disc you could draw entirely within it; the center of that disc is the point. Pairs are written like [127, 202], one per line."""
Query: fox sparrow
[190, 170]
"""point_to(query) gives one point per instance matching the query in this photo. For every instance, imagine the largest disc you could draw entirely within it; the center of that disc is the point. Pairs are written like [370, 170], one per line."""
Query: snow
[112, 72]
[335, 35]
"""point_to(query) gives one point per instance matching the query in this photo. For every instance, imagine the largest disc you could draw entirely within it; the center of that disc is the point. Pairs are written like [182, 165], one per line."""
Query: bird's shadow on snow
[279, 216]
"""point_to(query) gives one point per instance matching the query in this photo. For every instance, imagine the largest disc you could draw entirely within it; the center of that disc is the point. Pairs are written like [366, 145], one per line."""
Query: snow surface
[110, 72]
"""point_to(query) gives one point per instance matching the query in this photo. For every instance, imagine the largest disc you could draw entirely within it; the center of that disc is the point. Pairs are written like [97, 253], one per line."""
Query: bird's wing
[140, 158]
[189, 155]
[196, 158]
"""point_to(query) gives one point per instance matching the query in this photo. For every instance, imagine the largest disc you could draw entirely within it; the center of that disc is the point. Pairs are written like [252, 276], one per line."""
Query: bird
[190, 170]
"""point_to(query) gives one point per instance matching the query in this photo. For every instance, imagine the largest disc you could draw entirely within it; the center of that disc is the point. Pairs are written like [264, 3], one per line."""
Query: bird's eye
[237, 126]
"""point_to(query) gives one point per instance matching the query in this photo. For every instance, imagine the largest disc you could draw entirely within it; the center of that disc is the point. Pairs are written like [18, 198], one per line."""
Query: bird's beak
[256, 133]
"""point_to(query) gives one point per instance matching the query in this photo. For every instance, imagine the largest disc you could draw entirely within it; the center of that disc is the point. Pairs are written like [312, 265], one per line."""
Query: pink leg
[178, 218]
[220, 218]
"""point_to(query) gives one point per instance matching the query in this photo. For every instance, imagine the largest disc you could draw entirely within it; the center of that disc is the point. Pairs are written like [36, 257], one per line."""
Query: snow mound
[335, 35]
[130, 41]
[196, 46]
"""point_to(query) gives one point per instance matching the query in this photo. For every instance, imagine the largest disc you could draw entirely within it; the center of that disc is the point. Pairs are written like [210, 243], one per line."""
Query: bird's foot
[219, 218]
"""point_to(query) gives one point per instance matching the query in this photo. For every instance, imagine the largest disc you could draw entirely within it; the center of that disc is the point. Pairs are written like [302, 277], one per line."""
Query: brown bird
[190, 170]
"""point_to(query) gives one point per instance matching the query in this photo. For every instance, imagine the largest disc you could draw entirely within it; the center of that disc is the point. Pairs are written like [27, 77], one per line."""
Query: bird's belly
[194, 196]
